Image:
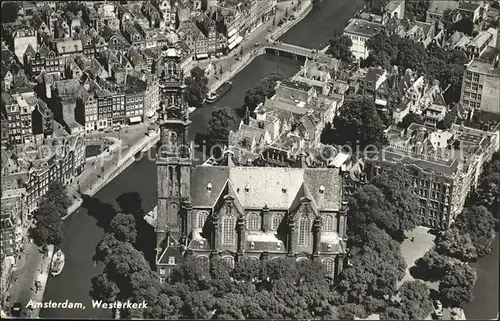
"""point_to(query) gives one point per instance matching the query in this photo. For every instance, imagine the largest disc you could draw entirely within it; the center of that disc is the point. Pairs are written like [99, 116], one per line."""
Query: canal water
[485, 304]
[326, 17]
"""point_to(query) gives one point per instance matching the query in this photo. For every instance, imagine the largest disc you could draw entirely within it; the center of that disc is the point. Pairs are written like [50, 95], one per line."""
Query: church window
[329, 265]
[304, 231]
[171, 260]
[201, 219]
[228, 230]
[328, 223]
[277, 218]
[253, 222]
[229, 260]
[341, 227]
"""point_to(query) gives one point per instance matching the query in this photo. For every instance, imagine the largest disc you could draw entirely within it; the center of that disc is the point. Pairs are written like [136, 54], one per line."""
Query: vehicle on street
[256, 44]
[16, 310]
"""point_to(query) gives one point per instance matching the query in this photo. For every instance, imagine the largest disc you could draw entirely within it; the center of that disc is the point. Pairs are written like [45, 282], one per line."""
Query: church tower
[173, 161]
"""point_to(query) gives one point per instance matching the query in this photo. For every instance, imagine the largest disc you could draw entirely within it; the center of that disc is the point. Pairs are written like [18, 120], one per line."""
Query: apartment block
[445, 166]
[481, 86]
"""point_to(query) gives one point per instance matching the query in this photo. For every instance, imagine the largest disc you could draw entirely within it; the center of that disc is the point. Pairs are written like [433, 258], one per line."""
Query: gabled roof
[30, 52]
[189, 28]
[275, 187]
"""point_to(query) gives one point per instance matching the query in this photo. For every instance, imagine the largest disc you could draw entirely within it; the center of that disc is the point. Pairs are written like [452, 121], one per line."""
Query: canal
[326, 17]
[485, 304]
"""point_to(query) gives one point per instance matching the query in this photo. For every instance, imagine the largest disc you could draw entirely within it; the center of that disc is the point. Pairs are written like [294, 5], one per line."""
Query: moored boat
[212, 97]
[57, 265]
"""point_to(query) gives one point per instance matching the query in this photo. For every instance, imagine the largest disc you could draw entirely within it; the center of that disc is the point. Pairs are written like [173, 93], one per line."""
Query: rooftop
[483, 67]
[363, 28]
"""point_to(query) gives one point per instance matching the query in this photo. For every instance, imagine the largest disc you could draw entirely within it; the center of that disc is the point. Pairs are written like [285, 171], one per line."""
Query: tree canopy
[340, 47]
[479, 224]
[456, 244]
[219, 126]
[396, 182]
[358, 125]
[265, 89]
[410, 119]
[455, 289]
[413, 302]
[53, 206]
[196, 87]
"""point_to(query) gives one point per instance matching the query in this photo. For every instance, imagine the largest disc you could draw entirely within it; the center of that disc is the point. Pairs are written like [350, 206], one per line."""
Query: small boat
[219, 92]
[57, 264]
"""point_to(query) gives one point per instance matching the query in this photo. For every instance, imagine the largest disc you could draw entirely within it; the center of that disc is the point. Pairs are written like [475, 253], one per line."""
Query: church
[239, 213]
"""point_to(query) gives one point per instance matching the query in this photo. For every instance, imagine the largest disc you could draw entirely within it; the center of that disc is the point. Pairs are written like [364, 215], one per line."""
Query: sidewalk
[36, 268]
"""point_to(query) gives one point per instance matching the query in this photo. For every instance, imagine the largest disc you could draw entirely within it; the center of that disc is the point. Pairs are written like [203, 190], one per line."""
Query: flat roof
[363, 28]
[483, 67]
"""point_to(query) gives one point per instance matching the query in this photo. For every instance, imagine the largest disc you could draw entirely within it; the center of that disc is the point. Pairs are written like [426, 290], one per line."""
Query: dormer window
[322, 189]
[209, 187]
[247, 188]
[252, 245]
[278, 246]
[283, 189]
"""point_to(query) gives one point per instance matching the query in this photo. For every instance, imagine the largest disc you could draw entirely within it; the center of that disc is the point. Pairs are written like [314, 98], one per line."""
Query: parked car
[256, 44]
[16, 310]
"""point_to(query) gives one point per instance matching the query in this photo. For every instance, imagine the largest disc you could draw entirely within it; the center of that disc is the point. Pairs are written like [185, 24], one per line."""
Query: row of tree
[48, 223]
[467, 239]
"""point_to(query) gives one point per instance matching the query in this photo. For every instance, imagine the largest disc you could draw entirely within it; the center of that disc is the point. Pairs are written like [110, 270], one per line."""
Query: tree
[432, 266]
[340, 47]
[370, 276]
[358, 125]
[446, 122]
[396, 182]
[369, 205]
[219, 126]
[265, 89]
[489, 187]
[455, 289]
[58, 194]
[196, 87]
[124, 228]
[455, 244]
[254, 96]
[104, 289]
[410, 119]
[479, 223]
[10, 11]
[415, 299]
[48, 227]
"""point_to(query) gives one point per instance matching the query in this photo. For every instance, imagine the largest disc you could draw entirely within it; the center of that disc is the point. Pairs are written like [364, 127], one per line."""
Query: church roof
[278, 188]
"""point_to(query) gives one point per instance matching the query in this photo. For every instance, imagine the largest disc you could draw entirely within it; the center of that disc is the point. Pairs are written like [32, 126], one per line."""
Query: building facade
[480, 86]
[445, 166]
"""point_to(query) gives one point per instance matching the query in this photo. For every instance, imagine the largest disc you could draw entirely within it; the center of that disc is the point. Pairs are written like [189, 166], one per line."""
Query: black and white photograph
[250, 159]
